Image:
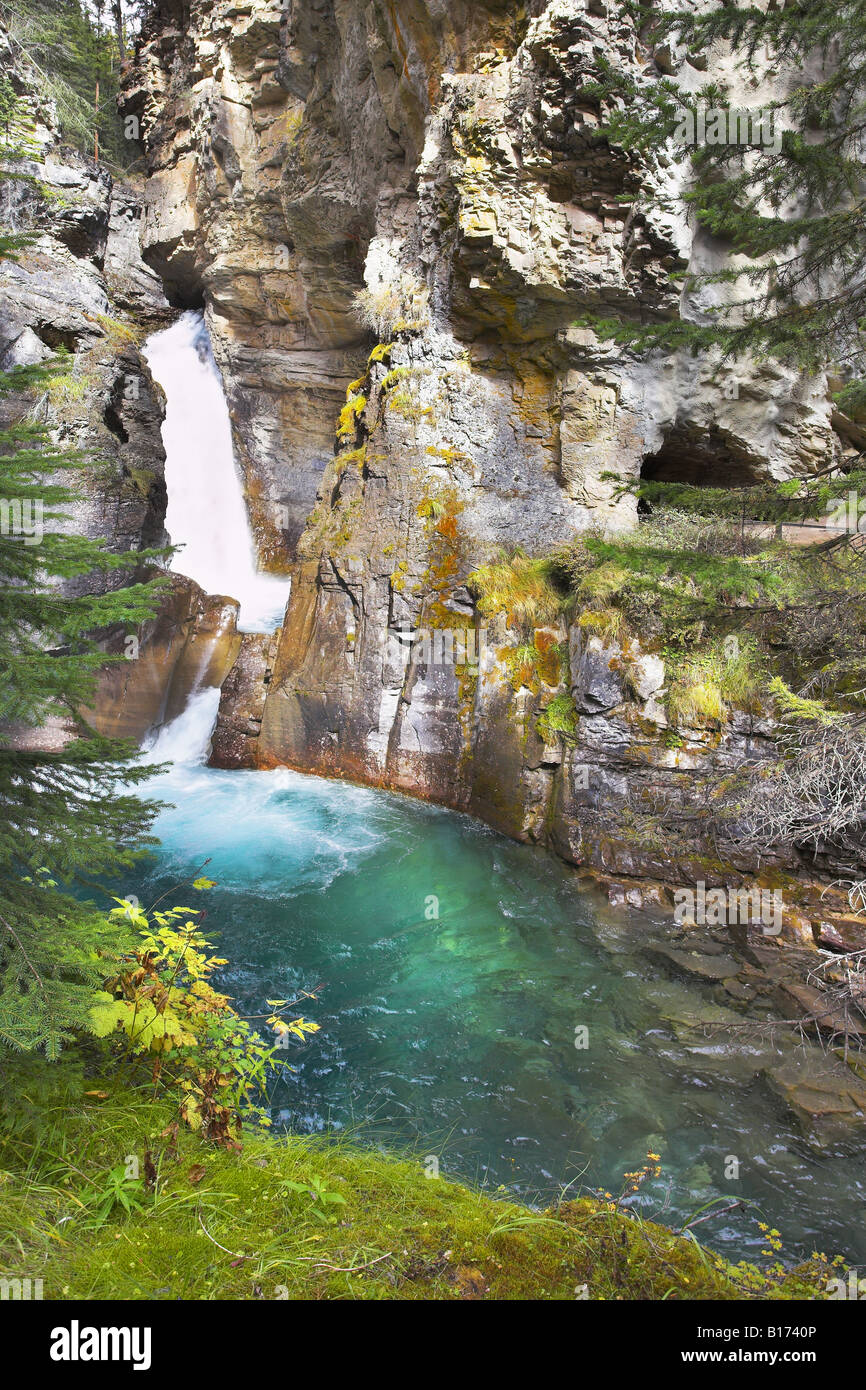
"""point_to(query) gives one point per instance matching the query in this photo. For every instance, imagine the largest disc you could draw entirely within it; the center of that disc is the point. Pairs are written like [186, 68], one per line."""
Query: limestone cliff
[394, 215]
[81, 286]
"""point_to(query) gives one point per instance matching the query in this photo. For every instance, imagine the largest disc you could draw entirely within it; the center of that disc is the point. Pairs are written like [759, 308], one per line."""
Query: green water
[454, 1035]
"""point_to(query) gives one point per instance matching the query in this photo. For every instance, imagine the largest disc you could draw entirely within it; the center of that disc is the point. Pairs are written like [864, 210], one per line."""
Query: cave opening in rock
[698, 459]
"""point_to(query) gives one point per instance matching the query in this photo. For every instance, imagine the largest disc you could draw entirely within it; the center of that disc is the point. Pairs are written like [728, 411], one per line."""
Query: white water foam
[187, 739]
[207, 513]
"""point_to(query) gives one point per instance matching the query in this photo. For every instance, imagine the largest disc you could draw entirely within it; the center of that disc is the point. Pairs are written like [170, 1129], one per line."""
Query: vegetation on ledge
[310, 1219]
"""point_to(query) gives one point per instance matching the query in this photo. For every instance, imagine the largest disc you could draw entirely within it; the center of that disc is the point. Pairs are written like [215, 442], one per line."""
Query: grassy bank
[309, 1219]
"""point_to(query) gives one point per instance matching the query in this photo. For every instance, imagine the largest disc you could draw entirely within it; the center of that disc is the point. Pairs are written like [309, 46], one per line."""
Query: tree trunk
[117, 14]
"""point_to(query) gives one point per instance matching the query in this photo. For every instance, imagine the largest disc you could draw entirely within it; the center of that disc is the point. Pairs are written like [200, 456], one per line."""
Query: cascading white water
[207, 513]
[186, 740]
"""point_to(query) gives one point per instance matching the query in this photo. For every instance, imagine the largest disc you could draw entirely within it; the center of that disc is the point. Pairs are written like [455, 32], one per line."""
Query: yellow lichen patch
[354, 458]
[380, 352]
[355, 406]
[449, 455]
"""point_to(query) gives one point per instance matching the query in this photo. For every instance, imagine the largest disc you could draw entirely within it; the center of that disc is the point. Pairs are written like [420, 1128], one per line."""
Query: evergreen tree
[76, 58]
[68, 811]
[792, 209]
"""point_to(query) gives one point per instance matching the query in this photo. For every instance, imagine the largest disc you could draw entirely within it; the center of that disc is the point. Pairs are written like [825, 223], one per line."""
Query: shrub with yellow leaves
[161, 1005]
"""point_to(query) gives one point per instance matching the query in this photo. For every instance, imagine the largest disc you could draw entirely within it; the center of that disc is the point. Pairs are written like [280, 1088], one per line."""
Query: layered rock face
[396, 215]
[82, 286]
[190, 645]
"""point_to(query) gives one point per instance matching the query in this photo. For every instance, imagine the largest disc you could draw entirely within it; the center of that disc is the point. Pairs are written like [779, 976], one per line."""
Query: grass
[521, 586]
[313, 1218]
[693, 703]
[69, 387]
[704, 685]
[559, 717]
[119, 332]
[606, 623]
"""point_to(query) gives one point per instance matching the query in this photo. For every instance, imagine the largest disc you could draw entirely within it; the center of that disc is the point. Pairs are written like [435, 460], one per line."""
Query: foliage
[320, 1197]
[217, 1224]
[558, 717]
[116, 1192]
[70, 809]
[792, 211]
[521, 586]
[705, 680]
[163, 1002]
[76, 63]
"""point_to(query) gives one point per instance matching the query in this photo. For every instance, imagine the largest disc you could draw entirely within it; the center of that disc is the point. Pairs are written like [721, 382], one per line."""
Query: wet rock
[242, 703]
[739, 989]
[842, 934]
[190, 645]
[813, 1095]
[697, 965]
[813, 1004]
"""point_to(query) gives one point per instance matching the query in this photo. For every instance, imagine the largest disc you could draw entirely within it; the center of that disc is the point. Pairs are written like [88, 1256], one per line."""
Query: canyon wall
[396, 216]
[80, 287]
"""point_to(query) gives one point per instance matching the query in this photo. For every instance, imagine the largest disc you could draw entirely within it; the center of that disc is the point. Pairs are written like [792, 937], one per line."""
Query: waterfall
[187, 739]
[207, 514]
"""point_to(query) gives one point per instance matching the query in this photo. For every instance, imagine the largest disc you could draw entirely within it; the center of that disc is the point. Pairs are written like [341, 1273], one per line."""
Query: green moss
[380, 352]
[559, 717]
[143, 478]
[602, 585]
[218, 1225]
[396, 375]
